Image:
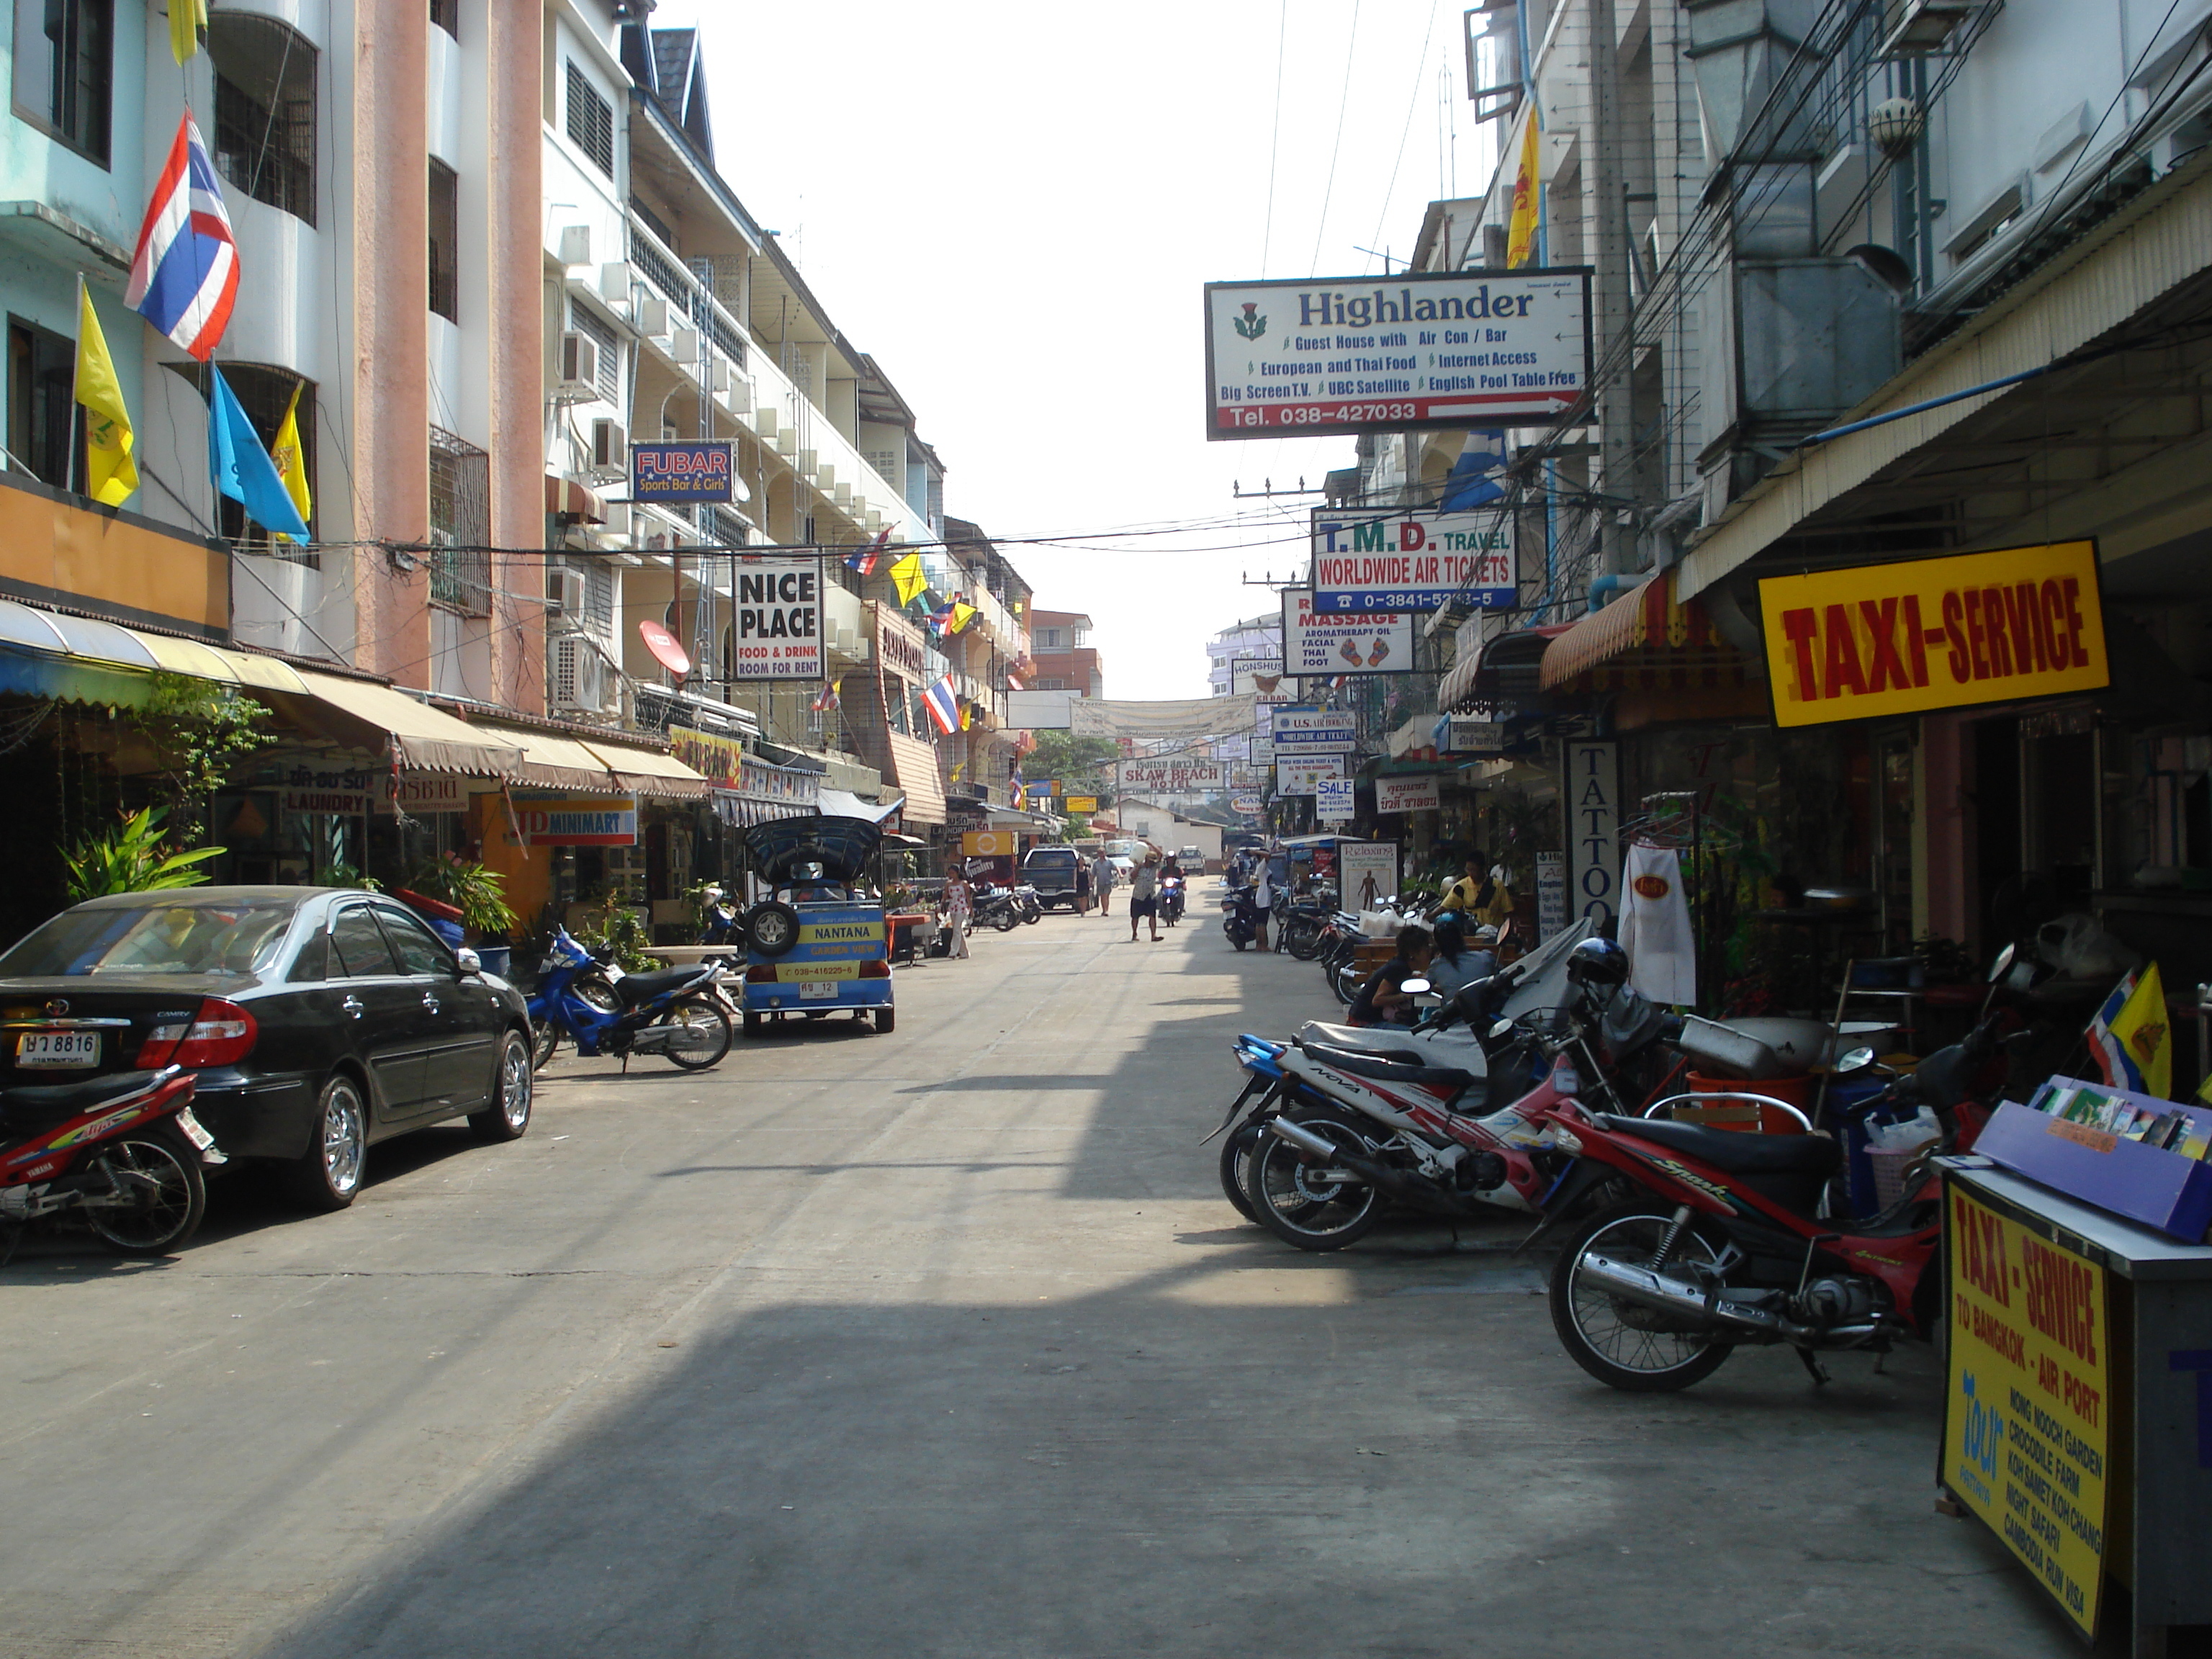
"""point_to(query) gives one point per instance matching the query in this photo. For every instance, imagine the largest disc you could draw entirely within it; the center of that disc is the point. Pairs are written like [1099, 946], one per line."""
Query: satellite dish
[665, 651]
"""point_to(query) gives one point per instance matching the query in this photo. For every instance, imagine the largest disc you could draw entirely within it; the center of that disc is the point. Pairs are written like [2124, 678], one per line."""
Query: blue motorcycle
[676, 1014]
[1275, 1091]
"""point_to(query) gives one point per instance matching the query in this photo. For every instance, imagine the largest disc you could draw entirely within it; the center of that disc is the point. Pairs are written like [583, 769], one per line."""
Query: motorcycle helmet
[1598, 962]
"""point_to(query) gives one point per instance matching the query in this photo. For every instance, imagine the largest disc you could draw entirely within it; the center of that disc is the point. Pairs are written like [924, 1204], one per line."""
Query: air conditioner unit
[578, 381]
[615, 281]
[575, 244]
[683, 344]
[610, 449]
[652, 317]
[564, 594]
[577, 677]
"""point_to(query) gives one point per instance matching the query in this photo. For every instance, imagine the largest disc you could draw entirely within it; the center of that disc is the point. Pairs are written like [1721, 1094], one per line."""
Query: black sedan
[318, 1021]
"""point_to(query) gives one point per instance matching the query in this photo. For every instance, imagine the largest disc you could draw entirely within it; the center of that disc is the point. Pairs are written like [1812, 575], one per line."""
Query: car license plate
[818, 990]
[57, 1049]
[195, 1131]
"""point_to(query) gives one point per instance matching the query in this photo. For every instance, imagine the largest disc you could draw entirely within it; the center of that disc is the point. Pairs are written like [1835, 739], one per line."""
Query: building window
[445, 241]
[588, 322]
[1048, 639]
[446, 15]
[64, 70]
[265, 393]
[460, 524]
[265, 109]
[43, 427]
[590, 121]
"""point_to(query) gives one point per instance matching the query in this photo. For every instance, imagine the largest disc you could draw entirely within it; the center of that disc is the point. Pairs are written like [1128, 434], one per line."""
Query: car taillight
[761, 973]
[221, 1034]
[878, 970]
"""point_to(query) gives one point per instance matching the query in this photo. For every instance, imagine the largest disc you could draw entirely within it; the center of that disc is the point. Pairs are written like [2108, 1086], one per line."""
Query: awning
[1644, 640]
[839, 804]
[110, 645]
[361, 715]
[838, 771]
[743, 811]
[550, 761]
[647, 772]
[1504, 668]
[1419, 732]
[573, 501]
[913, 764]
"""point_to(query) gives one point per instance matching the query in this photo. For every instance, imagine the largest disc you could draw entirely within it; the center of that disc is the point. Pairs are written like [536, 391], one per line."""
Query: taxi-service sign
[2027, 1422]
[1900, 639]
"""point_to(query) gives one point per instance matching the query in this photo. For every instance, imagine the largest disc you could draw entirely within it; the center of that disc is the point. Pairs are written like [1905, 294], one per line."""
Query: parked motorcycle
[1240, 917]
[124, 1149]
[1722, 1245]
[1027, 904]
[676, 1014]
[995, 907]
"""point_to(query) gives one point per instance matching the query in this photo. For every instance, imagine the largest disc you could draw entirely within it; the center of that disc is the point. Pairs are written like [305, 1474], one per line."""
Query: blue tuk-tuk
[815, 945]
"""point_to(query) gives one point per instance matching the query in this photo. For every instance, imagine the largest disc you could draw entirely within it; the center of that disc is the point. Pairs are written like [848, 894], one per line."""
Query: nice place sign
[1929, 634]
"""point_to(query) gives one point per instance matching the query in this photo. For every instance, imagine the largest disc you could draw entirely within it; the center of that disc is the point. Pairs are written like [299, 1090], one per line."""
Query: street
[943, 1342]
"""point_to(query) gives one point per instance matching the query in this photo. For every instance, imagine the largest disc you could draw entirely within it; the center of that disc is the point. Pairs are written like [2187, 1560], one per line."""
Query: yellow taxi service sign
[1900, 639]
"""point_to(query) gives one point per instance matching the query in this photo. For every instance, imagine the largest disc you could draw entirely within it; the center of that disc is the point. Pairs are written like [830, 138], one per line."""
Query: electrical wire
[1336, 147]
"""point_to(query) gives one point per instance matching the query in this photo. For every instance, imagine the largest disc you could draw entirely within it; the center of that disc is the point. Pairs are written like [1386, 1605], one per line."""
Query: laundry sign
[1923, 634]
[775, 629]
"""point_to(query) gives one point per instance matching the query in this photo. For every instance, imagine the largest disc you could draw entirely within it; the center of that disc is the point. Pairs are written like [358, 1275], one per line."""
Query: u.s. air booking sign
[1901, 639]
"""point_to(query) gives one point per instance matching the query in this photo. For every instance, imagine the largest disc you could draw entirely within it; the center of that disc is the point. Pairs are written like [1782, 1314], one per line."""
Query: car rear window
[159, 937]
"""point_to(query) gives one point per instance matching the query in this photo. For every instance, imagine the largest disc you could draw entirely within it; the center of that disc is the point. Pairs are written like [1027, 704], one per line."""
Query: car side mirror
[467, 962]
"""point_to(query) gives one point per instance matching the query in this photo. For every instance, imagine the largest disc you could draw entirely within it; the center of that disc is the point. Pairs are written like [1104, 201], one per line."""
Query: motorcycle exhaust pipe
[1631, 1283]
[1407, 1188]
[1304, 1138]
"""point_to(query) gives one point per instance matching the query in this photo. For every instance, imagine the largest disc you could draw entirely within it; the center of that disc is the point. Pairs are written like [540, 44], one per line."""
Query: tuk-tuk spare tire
[772, 927]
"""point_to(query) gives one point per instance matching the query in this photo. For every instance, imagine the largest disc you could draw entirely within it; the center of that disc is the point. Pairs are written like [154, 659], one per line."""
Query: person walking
[1145, 897]
[1263, 899]
[1082, 885]
[1102, 877]
[959, 906]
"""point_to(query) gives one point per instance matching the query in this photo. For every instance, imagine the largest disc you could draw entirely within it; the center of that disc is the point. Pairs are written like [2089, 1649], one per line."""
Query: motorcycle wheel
[1004, 920]
[1238, 942]
[1620, 1344]
[168, 1194]
[544, 1038]
[1235, 1163]
[1303, 1203]
[1303, 943]
[1346, 982]
[710, 1033]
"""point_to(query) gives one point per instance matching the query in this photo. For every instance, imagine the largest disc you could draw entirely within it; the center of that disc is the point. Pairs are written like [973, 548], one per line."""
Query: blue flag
[241, 465]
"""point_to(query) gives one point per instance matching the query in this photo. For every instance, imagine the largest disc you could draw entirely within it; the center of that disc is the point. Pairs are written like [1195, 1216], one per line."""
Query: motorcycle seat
[1359, 1040]
[635, 988]
[1738, 1154]
[1388, 1071]
[36, 1107]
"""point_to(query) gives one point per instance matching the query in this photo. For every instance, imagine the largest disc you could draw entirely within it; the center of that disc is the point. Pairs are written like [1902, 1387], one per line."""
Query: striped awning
[1646, 641]
[1505, 668]
[573, 501]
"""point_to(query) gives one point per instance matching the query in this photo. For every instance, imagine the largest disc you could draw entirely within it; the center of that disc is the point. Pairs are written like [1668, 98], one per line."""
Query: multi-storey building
[1241, 650]
[1064, 657]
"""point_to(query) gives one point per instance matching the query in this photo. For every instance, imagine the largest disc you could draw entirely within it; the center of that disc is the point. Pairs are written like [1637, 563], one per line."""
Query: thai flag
[941, 619]
[865, 560]
[1019, 792]
[944, 706]
[183, 277]
[826, 700]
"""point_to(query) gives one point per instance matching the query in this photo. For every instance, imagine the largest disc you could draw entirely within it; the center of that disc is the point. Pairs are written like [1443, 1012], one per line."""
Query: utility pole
[1615, 404]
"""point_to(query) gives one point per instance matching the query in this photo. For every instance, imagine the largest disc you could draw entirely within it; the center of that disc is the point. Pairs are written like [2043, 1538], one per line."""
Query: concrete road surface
[941, 1343]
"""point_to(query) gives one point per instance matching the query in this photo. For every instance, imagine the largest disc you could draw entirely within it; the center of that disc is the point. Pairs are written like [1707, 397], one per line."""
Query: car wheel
[886, 1021]
[507, 1115]
[329, 1176]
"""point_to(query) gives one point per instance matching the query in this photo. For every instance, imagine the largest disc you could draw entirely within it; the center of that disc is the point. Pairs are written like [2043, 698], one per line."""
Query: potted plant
[478, 895]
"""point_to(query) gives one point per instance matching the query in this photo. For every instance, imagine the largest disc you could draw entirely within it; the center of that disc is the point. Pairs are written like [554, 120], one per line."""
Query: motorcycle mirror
[1414, 987]
[1502, 1030]
[1855, 1059]
[2004, 962]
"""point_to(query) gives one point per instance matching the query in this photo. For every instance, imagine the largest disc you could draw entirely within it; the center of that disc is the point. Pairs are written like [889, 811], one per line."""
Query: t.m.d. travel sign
[1463, 347]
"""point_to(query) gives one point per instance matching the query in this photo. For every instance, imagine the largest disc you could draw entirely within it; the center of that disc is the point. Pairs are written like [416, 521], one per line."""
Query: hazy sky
[1013, 208]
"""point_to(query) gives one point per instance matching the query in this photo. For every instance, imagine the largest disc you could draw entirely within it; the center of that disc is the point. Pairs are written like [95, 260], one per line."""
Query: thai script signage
[1897, 639]
[1466, 348]
[1412, 561]
[1318, 645]
[898, 642]
[776, 625]
[1415, 794]
[680, 472]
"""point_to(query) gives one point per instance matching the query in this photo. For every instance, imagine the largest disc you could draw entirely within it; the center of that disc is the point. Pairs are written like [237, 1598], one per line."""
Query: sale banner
[2027, 1416]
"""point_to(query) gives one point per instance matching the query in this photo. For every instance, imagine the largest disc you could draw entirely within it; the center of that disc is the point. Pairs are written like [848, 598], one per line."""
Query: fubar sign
[1895, 639]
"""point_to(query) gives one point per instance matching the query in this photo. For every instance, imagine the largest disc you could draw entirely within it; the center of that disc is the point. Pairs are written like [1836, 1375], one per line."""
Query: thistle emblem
[1251, 325]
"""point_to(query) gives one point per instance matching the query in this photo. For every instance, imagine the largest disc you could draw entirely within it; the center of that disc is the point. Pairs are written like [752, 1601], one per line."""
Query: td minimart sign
[1929, 634]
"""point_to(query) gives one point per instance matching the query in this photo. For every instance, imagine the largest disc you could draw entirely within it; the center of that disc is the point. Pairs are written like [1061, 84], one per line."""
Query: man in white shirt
[1145, 898]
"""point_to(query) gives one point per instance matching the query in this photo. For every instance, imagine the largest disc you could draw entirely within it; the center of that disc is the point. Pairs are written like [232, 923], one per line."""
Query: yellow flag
[2142, 1032]
[291, 464]
[961, 612]
[1521, 231]
[186, 19]
[907, 577]
[111, 476]
[967, 715]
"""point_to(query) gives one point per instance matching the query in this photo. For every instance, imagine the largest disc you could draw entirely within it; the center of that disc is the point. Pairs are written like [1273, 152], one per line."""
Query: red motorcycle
[124, 1149]
[1721, 1247]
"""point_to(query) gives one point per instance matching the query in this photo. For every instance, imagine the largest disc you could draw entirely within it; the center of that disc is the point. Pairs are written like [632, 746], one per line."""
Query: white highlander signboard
[1412, 560]
[1317, 646]
[1467, 348]
[1174, 775]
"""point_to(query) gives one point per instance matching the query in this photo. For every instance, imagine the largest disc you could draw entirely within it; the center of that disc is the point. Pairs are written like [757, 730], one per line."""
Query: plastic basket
[1889, 1172]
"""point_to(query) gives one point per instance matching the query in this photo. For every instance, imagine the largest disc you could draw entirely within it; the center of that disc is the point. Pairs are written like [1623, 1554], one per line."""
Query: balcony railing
[683, 290]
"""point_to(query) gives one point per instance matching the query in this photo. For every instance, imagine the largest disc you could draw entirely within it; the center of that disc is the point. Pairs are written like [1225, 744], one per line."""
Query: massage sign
[1928, 634]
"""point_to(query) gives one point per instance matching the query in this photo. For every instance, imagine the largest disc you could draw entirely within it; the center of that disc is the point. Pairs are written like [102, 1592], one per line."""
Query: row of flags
[184, 281]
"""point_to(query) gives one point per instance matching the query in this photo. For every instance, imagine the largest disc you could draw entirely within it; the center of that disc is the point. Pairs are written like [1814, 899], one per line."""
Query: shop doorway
[1996, 837]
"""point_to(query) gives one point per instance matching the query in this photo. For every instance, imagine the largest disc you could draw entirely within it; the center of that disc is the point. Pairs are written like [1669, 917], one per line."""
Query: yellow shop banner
[1925, 634]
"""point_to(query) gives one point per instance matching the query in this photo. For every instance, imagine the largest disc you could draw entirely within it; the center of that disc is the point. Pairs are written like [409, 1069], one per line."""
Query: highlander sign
[1896, 639]
[680, 472]
[1470, 348]
[1177, 774]
[1412, 561]
[1317, 646]
[776, 628]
